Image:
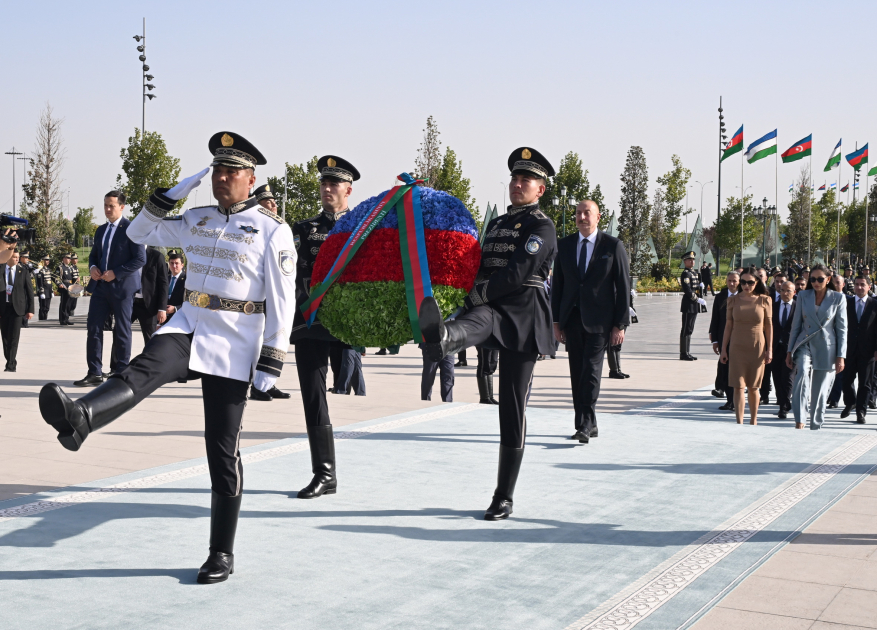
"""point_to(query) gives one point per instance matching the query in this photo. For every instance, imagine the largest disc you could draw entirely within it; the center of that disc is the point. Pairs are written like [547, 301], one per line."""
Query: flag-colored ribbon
[412, 241]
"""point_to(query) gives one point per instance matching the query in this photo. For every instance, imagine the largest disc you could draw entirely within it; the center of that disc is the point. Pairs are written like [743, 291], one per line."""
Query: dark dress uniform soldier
[265, 196]
[692, 302]
[43, 278]
[71, 304]
[24, 261]
[232, 328]
[64, 278]
[314, 345]
[507, 310]
[849, 287]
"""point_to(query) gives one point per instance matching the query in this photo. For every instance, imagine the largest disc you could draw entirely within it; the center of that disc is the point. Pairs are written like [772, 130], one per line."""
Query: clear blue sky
[359, 79]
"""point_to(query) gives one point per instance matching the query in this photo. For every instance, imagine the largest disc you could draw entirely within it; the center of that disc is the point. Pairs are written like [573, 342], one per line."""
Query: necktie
[785, 316]
[860, 306]
[170, 289]
[105, 250]
[583, 259]
[8, 282]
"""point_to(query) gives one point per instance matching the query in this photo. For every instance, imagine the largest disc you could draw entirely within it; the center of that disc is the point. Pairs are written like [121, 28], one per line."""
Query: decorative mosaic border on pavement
[97, 494]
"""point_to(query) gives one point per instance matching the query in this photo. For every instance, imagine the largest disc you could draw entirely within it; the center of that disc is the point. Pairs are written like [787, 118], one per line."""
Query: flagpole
[810, 210]
[776, 186]
[742, 205]
[837, 201]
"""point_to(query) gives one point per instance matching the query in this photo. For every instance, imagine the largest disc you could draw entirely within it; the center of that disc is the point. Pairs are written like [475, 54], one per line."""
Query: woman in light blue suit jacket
[817, 346]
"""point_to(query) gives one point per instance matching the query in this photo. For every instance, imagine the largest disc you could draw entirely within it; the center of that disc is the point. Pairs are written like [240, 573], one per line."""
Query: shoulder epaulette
[178, 217]
[202, 208]
[268, 213]
[538, 214]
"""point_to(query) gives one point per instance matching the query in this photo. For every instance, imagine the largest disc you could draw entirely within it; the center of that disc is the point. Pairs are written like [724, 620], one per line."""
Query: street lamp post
[563, 202]
[13, 153]
[147, 86]
[722, 139]
[701, 198]
[742, 214]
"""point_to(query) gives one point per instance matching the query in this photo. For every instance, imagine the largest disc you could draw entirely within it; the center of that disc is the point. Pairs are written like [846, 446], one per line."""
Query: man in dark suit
[16, 304]
[717, 334]
[861, 344]
[590, 305]
[150, 303]
[176, 278]
[783, 311]
[114, 265]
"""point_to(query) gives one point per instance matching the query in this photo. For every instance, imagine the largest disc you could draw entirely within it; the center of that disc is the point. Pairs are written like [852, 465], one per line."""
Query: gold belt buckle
[249, 308]
[203, 300]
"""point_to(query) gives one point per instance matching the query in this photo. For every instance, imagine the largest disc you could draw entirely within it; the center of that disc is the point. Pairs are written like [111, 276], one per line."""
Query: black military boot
[224, 512]
[322, 443]
[490, 398]
[483, 396]
[683, 356]
[688, 354]
[617, 354]
[614, 368]
[509, 467]
[440, 338]
[74, 420]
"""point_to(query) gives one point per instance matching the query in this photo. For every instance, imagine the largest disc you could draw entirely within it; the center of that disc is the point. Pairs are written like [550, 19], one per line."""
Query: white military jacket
[245, 254]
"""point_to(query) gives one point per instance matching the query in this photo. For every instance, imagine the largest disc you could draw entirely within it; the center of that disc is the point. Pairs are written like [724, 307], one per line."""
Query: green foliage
[429, 162]
[829, 209]
[727, 228]
[83, 224]
[302, 191]
[806, 224]
[854, 220]
[147, 165]
[571, 176]
[634, 211]
[675, 183]
[375, 314]
[449, 178]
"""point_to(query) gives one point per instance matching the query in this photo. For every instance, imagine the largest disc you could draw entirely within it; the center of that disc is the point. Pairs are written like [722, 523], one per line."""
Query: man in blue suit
[114, 265]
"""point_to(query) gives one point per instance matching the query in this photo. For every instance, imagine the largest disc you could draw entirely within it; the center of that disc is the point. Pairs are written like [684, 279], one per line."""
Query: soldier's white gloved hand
[701, 285]
[633, 293]
[263, 381]
[632, 312]
[42, 297]
[701, 301]
[182, 190]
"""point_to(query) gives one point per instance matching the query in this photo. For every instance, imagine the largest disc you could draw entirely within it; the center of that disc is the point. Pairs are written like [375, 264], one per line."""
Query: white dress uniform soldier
[265, 196]
[313, 345]
[692, 304]
[233, 327]
[43, 277]
[507, 310]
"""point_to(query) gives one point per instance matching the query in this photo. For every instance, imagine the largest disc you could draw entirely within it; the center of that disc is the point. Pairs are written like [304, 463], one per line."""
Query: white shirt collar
[115, 223]
[591, 239]
[861, 299]
[789, 303]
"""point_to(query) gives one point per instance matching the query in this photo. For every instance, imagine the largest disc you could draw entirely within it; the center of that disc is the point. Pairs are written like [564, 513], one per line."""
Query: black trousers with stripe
[312, 363]
[515, 375]
[165, 359]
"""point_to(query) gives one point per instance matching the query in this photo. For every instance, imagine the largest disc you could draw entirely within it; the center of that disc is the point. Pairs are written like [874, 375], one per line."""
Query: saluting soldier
[692, 301]
[64, 277]
[265, 196]
[43, 277]
[507, 310]
[314, 345]
[232, 328]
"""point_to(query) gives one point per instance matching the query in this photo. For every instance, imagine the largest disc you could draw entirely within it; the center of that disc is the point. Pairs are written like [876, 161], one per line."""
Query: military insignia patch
[287, 262]
[297, 240]
[227, 140]
[517, 226]
[331, 162]
[534, 244]
[203, 221]
[686, 280]
[249, 229]
[526, 154]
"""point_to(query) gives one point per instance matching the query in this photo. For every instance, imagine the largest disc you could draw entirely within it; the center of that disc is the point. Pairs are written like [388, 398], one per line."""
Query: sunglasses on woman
[819, 279]
[748, 283]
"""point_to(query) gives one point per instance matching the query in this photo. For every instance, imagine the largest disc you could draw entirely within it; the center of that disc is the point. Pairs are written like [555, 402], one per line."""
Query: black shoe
[783, 414]
[224, 512]
[322, 444]
[381, 352]
[727, 407]
[872, 405]
[847, 410]
[831, 405]
[594, 432]
[718, 393]
[581, 436]
[276, 393]
[490, 398]
[255, 394]
[860, 418]
[439, 339]
[617, 375]
[9, 369]
[686, 357]
[461, 364]
[509, 467]
[764, 401]
[90, 380]
[75, 420]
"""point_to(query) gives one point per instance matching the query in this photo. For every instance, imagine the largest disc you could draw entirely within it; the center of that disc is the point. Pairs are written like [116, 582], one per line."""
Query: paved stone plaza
[674, 517]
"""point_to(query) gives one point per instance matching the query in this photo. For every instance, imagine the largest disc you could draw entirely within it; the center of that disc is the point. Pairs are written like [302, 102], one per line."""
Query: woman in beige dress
[748, 340]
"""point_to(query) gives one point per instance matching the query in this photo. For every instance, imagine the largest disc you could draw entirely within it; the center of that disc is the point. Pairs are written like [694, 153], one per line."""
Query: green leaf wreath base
[375, 314]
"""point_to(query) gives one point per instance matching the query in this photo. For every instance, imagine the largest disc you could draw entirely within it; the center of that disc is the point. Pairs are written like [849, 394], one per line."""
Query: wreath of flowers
[366, 306]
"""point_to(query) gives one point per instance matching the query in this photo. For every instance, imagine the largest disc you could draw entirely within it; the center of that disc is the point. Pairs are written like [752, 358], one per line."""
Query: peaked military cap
[74, 256]
[807, 269]
[865, 268]
[848, 266]
[232, 149]
[173, 255]
[689, 256]
[263, 192]
[65, 256]
[529, 161]
[47, 257]
[337, 168]
[775, 271]
[24, 255]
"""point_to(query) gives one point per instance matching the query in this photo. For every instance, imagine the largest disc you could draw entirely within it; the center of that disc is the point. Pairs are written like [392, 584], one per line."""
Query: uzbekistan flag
[833, 185]
[761, 148]
[735, 145]
[801, 149]
[872, 172]
[856, 186]
[834, 160]
[791, 186]
[858, 158]
[822, 188]
[846, 187]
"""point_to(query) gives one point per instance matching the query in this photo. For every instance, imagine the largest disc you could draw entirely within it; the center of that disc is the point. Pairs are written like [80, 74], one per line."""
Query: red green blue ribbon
[412, 241]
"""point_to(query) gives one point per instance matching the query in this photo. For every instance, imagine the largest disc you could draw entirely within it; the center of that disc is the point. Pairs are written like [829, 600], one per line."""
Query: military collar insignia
[249, 229]
[519, 209]
[334, 216]
[203, 221]
[240, 206]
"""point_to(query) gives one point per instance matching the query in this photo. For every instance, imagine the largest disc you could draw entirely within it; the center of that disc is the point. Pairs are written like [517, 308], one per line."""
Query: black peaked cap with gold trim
[334, 167]
[232, 149]
[689, 256]
[263, 192]
[528, 160]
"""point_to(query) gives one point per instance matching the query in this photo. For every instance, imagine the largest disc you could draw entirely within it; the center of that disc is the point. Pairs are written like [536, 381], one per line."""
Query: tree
[805, 224]
[83, 225]
[302, 191]
[449, 178]
[829, 210]
[657, 222]
[429, 156]
[634, 210]
[571, 176]
[726, 230]
[43, 191]
[147, 165]
[854, 219]
[675, 183]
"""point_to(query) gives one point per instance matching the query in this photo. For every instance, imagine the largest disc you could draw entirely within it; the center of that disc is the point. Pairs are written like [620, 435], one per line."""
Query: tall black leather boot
[440, 338]
[614, 369]
[224, 512]
[509, 467]
[490, 398]
[691, 357]
[74, 420]
[322, 443]
[617, 354]
[483, 396]
[683, 356]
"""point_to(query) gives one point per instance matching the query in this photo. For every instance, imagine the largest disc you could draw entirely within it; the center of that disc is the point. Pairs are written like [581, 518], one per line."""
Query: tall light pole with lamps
[13, 153]
[742, 215]
[146, 77]
[564, 203]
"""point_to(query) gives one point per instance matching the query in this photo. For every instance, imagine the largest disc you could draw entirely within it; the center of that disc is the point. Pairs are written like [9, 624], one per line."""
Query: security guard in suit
[43, 278]
[239, 294]
[692, 304]
[507, 310]
[314, 345]
[64, 277]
